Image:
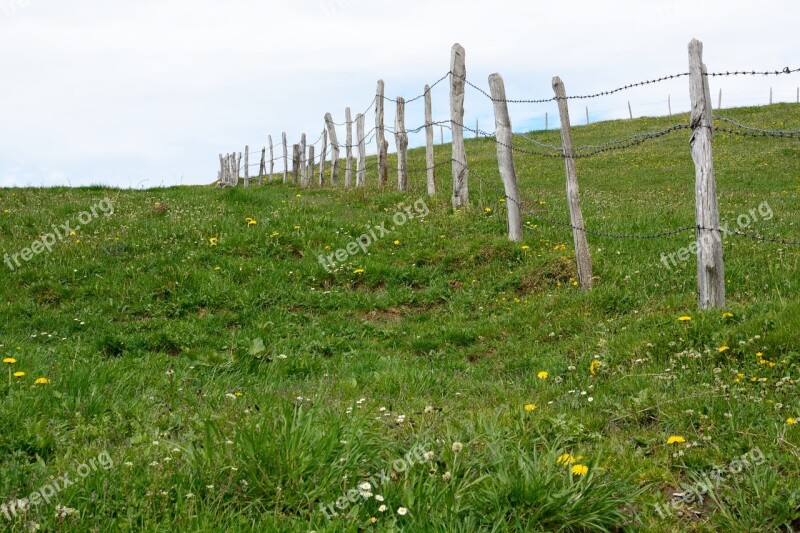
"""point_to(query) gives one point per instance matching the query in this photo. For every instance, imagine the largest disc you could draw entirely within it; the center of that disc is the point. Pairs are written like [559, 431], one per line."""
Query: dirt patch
[559, 270]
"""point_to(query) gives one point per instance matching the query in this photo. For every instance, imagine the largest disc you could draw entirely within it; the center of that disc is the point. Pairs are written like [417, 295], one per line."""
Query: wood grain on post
[348, 163]
[582, 254]
[458, 75]
[430, 161]
[505, 156]
[380, 135]
[221, 177]
[262, 168]
[296, 164]
[310, 165]
[334, 149]
[710, 266]
[401, 138]
[323, 158]
[285, 159]
[361, 176]
[246, 166]
[303, 166]
[271, 159]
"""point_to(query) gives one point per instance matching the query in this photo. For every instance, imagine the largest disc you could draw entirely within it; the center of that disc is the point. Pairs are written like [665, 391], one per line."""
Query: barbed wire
[410, 100]
[762, 132]
[785, 70]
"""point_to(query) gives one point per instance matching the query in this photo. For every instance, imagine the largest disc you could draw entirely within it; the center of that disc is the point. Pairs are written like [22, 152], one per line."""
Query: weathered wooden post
[582, 254]
[310, 166]
[505, 156]
[587, 115]
[222, 176]
[770, 96]
[246, 166]
[262, 168]
[546, 122]
[719, 100]
[348, 164]
[380, 135]
[630, 110]
[296, 164]
[334, 149]
[285, 159]
[271, 159]
[441, 134]
[669, 104]
[401, 138]
[458, 75]
[361, 176]
[710, 266]
[430, 160]
[303, 167]
[323, 157]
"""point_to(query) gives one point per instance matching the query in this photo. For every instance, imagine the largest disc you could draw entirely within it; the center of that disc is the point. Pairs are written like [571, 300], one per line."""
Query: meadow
[194, 349]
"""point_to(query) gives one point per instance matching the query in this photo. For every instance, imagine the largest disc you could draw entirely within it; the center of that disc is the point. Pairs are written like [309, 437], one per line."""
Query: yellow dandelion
[565, 459]
[397, 243]
[373, 520]
[359, 271]
[675, 439]
[299, 196]
[252, 223]
[42, 381]
[791, 421]
[543, 374]
[248, 219]
[594, 366]
[685, 318]
[759, 355]
[9, 360]
[580, 470]
[530, 406]
[297, 227]
[526, 247]
[727, 315]
[217, 268]
[723, 349]
[19, 374]
[213, 241]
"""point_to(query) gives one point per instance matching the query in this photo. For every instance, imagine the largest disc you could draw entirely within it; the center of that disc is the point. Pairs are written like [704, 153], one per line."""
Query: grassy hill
[219, 377]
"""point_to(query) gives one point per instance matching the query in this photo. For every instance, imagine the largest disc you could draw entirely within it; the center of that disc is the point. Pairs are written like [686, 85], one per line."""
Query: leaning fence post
[401, 138]
[271, 159]
[430, 161]
[361, 176]
[458, 75]
[710, 266]
[582, 254]
[322, 158]
[380, 135]
[348, 164]
[285, 159]
[505, 156]
[310, 166]
[334, 149]
[296, 163]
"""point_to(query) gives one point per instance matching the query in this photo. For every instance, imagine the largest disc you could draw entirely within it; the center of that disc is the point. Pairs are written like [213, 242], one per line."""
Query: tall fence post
[361, 176]
[630, 110]
[458, 76]
[505, 156]
[441, 134]
[323, 157]
[582, 254]
[380, 135]
[303, 166]
[669, 104]
[401, 138]
[546, 121]
[262, 168]
[222, 176]
[296, 163]
[710, 266]
[246, 166]
[271, 159]
[285, 159]
[348, 164]
[719, 100]
[334, 149]
[430, 161]
[310, 166]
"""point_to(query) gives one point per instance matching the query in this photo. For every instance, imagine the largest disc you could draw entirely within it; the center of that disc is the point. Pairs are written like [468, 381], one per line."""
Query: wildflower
[42, 381]
[565, 459]
[402, 511]
[488, 210]
[543, 374]
[428, 409]
[447, 476]
[457, 447]
[378, 498]
[526, 247]
[9, 360]
[723, 349]
[213, 241]
[217, 268]
[382, 509]
[594, 366]
[675, 439]
[251, 222]
[19, 374]
[530, 406]
[365, 486]
[359, 271]
[791, 421]
[428, 456]
[685, 318]
[580, 470]
[299, 196]
[727, 315]
[397, 243]
[373, 520]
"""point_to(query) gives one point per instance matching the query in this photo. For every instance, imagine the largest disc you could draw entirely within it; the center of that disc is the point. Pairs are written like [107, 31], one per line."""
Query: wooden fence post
[221, 178]
[334, 149]
[303, 161]
[348, 164]
[587, 115]
[546, 121]
[582, 254]
[296, 164]
[310, 166]
[458, 75]
[770, 96]
[430, 160]
[630, 110]
[380, 135]
[669, 104]
[441, 134]
[505, 156]
[719, 100]
[246, 166]
[262, 168]
[271, 159]
[323, 157]
[401, 138]
[361, 176]
[285, 159]
[710, 266]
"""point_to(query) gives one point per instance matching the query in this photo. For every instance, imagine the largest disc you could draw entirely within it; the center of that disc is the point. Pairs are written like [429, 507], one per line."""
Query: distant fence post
[262, 168]
[222, 176]
[719, 100]
[505, 156]
[361, 176]
[587, 115]
[348, 164]
[271, 159]
[669, 104]
[380, 135]
[401, 137]
[630, 110]
[334, 149]
[323, 156]
[546, 121]
[430, 161]
[246, 166]
[441, 134]
[582, 254]
[458, 76]
[303, 166]
[296, 163]
[310, 166]
[710, 266]
[285, 159]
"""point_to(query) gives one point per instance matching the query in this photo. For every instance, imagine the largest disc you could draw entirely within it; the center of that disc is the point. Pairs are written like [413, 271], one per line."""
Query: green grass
[240, 386]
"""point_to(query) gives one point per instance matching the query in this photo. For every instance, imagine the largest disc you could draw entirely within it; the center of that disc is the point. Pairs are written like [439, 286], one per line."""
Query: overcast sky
[149, 92]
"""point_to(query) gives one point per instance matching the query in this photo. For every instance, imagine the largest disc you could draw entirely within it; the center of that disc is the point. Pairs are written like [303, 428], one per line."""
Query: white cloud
[150, 90]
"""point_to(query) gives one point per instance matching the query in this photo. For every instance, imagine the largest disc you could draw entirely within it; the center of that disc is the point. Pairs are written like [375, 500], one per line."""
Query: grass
[242, 387]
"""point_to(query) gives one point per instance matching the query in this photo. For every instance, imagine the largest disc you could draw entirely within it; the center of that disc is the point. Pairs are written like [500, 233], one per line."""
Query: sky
[149, 93]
